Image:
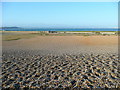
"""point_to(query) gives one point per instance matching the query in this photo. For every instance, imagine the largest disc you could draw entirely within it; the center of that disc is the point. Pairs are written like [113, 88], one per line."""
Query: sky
[60, 14]
[60, 0]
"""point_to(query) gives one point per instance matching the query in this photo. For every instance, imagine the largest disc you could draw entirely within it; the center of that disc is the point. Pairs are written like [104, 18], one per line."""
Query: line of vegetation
[12, 39]
[9, 36]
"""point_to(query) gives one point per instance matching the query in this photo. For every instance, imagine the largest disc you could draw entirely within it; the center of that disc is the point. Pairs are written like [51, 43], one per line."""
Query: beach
[59, 45]
[65, 44]
[61, 62]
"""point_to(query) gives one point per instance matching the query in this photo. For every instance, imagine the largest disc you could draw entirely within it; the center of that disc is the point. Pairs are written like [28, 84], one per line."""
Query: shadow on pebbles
[25, 70]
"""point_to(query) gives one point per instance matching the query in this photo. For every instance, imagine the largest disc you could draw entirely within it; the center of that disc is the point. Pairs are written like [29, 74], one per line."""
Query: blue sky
[60, 14]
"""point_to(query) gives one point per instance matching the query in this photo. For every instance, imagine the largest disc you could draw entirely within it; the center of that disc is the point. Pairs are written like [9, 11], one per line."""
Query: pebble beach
[60, 71]
[34, 69]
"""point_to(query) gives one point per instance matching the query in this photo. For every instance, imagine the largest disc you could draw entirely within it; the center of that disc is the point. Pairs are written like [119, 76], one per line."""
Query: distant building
[81, 32]
[109, 33]
[52, 31]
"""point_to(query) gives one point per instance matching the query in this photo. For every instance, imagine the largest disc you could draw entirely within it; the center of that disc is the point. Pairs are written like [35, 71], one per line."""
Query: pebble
[21, 70]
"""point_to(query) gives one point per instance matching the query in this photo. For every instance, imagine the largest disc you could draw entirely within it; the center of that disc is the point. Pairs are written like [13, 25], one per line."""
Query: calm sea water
[62, 29]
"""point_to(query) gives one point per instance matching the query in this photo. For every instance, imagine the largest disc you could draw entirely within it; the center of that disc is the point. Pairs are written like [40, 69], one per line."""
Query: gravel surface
[32, 69]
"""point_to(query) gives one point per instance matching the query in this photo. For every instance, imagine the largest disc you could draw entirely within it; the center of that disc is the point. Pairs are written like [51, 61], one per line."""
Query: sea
[61, 29]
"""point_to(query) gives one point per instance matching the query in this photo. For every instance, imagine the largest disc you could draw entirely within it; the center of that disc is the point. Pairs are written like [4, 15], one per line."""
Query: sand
[61, 44]
[66, 62]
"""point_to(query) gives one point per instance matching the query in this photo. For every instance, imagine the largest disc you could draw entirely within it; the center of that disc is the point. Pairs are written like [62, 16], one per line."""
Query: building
[108, 33]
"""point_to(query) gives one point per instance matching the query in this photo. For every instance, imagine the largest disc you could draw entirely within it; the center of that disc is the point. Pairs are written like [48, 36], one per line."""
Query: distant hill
[10, 27]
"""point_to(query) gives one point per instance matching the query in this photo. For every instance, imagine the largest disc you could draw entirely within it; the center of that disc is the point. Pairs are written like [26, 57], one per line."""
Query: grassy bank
[16, 35]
